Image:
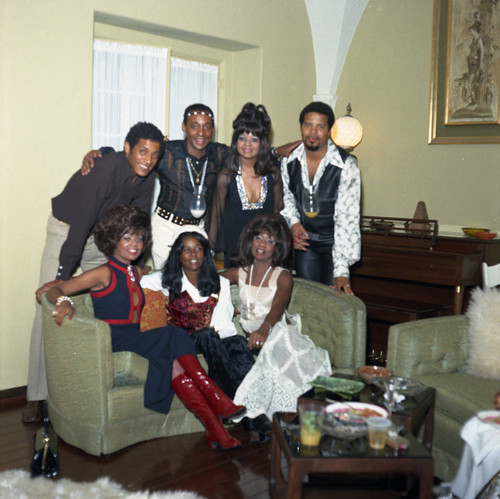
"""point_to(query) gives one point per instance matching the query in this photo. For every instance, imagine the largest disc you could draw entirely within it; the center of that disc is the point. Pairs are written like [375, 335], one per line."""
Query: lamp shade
[347, 131]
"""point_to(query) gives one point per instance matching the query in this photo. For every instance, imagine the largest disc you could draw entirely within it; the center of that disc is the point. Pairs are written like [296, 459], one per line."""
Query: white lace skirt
[286, 363]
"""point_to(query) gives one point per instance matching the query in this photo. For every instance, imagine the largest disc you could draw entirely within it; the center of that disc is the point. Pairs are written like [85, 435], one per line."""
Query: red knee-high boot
[194, 400]
[218, 400]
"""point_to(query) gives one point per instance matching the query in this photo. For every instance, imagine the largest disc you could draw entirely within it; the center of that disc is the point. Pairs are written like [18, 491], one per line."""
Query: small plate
[491, 417]
[355, 412]
[486, 235]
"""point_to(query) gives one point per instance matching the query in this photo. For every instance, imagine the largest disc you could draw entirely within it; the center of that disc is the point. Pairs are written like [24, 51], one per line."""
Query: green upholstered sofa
[435, 351]
[96, 397]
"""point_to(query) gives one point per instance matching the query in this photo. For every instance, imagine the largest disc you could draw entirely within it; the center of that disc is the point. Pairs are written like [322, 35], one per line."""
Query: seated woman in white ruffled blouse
[199, 301]
[288, 360]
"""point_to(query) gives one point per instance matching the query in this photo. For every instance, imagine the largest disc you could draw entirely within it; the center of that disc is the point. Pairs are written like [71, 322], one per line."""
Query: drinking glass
[377, 432]
[198, 204]
[310, 202]
[312, 415]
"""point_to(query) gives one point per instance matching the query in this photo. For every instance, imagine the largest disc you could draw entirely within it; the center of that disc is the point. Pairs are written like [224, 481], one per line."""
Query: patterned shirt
[346, 249]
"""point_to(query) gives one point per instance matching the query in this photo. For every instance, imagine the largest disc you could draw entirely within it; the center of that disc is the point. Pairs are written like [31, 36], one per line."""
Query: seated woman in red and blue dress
[118, 298]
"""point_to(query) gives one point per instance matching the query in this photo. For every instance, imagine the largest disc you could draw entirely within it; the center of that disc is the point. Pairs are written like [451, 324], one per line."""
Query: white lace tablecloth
[480, 459]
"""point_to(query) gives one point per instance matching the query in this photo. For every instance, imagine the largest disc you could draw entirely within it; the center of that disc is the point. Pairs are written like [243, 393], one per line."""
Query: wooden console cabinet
[402, 277]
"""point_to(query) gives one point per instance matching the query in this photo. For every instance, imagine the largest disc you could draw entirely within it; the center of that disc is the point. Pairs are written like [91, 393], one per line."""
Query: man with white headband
[188, 166]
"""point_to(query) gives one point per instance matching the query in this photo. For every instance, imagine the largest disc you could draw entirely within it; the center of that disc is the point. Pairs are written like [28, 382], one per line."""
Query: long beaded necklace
[250, 306]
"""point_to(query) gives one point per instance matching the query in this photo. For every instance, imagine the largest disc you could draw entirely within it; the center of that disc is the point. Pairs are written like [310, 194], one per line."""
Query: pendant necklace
[198, 205]
[198, 174]
[250, 307]
[130, 272]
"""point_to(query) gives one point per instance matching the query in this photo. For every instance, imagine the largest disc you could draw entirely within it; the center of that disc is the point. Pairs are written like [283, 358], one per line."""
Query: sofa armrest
[335, 323]
[78, 359]
[428, 346]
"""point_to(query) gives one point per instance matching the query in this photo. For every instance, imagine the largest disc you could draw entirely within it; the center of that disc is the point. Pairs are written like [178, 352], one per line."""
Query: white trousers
[57, 233]
[164, 235]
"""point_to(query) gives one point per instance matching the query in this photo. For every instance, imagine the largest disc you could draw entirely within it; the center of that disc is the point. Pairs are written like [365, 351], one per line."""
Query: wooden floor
[182, 462]
[175, 463]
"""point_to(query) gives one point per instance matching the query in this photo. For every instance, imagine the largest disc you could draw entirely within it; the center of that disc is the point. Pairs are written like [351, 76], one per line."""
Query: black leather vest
[320, 228]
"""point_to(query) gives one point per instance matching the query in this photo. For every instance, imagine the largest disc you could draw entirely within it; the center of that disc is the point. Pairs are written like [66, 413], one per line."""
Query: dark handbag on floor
[45, 459]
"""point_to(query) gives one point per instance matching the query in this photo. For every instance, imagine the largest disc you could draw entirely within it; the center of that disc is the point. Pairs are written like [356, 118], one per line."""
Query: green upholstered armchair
[96, 396]
[435, 352]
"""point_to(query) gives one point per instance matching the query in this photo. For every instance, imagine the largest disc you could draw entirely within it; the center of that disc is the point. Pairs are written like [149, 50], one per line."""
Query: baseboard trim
[13, 396]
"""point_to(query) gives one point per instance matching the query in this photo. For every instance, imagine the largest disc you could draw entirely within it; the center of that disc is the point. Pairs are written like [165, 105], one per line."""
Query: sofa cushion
[459, 396]
[154, 313]
[484, 333]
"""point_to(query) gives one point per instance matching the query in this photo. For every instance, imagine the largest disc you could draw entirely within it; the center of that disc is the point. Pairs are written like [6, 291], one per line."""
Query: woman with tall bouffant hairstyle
[287, 359]
[122, 234]
[250, 183]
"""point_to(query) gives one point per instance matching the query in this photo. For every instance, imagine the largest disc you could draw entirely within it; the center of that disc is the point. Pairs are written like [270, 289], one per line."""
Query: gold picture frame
[465, 92]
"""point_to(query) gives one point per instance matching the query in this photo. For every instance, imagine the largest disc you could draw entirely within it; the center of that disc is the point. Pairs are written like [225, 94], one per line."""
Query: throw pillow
[484, 333]
[154, 313]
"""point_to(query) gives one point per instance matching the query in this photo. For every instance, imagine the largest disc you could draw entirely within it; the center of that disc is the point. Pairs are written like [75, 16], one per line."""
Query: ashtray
[369, 373]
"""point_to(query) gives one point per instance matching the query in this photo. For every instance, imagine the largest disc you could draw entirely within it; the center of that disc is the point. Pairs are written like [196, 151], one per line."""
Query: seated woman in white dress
[288, 360]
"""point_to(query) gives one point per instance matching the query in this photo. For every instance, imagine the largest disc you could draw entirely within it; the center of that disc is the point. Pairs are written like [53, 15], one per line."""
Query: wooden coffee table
[416, 410]
[416, 460]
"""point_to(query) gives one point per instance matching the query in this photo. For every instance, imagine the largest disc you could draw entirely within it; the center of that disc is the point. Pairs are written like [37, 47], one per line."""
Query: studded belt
[172, 217]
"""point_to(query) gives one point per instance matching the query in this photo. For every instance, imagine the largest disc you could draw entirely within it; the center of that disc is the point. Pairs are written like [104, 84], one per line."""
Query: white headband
[205, 113]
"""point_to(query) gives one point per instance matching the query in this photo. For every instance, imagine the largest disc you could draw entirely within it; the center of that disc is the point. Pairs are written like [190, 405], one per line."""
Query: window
[190, 82]
[129, 85]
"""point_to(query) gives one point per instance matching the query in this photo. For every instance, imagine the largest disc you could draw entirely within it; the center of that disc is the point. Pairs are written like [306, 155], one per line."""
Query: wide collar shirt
[346, 249]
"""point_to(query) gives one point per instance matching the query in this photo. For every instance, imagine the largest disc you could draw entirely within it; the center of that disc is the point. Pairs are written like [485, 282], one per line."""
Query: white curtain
[190, 82]
[129, 85]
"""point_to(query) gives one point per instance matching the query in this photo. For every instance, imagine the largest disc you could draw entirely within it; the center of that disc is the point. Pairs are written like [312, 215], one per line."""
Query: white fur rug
[17, 484]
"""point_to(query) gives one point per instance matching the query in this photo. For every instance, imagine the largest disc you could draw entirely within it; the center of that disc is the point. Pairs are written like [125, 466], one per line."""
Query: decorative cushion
[484, 333]
[154, 313]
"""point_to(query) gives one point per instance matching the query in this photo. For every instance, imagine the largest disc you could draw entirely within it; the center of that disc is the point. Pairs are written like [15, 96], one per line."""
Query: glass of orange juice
[377, 432]
[312, 415]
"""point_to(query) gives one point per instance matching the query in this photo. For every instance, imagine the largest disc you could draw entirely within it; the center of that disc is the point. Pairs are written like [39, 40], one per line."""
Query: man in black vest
[326, 234]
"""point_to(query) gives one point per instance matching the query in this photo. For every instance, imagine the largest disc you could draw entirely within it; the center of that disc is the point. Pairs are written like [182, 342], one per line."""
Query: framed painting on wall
[465, 76]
